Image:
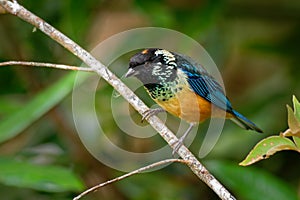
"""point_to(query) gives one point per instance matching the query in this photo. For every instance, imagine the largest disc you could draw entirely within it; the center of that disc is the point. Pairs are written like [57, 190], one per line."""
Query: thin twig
[18, 10]
[50, 65]
[140, 170]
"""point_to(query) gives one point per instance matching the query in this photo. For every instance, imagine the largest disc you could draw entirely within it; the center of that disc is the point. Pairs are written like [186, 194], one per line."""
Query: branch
[14, 8]
[49, 65]
[140, 170]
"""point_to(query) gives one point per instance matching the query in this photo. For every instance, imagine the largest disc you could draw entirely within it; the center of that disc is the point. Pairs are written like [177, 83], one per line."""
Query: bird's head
[153, 66]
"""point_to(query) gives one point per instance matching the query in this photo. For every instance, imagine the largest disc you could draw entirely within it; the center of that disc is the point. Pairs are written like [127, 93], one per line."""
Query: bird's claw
[151, 112]
[178, 144]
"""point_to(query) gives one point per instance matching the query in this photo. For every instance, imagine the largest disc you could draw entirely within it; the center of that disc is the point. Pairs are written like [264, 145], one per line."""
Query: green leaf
[297, 142]
[251, 183]
[293, 120]
[43, 178]
[296, 107]
[18, 121]
[294, 124]
[9, 105]
[267, 147]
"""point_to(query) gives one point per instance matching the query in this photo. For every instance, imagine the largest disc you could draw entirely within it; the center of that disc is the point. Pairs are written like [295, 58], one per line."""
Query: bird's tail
[243, 122]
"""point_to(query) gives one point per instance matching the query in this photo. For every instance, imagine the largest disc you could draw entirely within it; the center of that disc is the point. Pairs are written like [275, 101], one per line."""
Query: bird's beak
[130, 72]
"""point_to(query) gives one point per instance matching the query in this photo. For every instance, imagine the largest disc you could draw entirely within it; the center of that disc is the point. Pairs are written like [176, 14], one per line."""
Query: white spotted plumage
[168, 57]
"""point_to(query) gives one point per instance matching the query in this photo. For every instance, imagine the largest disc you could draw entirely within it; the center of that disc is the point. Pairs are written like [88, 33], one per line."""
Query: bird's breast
[191, 107]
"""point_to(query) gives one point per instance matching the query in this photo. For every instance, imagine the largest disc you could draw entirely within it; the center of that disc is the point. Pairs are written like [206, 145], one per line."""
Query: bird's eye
[146, 63]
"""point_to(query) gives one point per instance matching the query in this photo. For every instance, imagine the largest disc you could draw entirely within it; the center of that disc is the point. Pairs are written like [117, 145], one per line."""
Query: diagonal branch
[14, 8]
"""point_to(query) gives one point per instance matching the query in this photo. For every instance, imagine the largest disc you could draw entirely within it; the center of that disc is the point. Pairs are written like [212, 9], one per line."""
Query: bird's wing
[208, 88]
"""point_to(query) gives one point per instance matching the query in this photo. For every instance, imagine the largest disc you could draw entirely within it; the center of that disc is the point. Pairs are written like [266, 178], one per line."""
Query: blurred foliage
[251, 183]
[254, 43]
[37, 107]
[45, 178]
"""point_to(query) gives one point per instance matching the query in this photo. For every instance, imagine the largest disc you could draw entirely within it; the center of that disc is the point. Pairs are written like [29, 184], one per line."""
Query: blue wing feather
[205, 86]
[202, 83]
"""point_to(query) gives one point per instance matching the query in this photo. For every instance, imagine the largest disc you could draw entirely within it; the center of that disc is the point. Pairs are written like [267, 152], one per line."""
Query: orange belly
[191, 107]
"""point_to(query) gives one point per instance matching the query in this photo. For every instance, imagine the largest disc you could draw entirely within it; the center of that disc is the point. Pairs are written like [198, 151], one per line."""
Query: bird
[184, 88]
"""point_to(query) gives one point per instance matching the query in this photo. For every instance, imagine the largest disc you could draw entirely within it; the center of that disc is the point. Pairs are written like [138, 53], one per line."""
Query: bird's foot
[179, 142]
[151, 112]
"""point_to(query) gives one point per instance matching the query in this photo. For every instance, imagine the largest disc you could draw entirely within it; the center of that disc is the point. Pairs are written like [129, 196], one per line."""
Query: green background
[255, 45]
